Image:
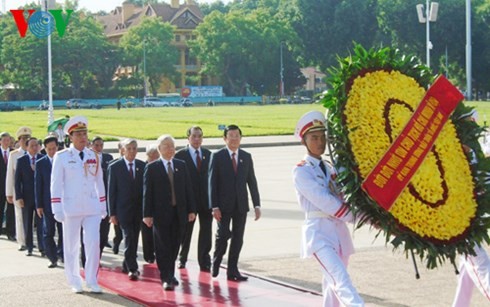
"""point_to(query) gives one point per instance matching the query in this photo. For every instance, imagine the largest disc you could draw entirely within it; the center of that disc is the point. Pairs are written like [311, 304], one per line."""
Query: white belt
[317, 215]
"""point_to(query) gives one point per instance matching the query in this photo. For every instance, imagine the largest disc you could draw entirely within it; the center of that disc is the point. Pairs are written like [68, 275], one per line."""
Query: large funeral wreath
[444, 210]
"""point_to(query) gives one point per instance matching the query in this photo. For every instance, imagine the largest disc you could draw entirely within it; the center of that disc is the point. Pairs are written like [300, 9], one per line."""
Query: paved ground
[271, 249]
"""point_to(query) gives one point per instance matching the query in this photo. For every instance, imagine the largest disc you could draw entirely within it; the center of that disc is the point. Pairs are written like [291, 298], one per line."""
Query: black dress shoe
[22, 248]
[215, 271]
[108, 245]
[150, 260]
[11, 238]
[29, 253]
[43, 254]
[133, 275]
[237, 278]
[52, 265]
[181, 265]
[168, 286]
[205, 269]
[175, 282]
[115, 249]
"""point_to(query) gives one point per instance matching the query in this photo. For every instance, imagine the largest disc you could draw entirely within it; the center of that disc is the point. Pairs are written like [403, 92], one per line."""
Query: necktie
[131, 174]
[33, 160]
[171, 179]
[198, 160]
[324, 169]
[5, 157]
[81, 155]
[233, 161]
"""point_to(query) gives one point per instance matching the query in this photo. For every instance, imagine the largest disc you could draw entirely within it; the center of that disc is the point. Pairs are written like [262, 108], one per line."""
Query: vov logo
[41, 23]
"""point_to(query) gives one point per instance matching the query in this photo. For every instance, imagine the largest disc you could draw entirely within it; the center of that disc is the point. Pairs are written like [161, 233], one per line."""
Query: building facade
[185, 17]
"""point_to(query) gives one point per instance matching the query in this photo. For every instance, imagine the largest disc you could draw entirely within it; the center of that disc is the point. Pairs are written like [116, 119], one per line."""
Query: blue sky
[91, 5]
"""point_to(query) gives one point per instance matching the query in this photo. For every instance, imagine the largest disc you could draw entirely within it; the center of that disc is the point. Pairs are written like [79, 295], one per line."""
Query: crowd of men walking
[80, 191]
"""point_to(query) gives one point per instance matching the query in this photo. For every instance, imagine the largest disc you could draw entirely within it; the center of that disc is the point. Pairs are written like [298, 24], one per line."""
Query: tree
[151, 39]
[328, 27]
[242, 49]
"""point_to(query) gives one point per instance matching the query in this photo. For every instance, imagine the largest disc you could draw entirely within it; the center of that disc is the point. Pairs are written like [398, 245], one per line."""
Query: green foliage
[151, 39]
[244, 50]
[362, 205]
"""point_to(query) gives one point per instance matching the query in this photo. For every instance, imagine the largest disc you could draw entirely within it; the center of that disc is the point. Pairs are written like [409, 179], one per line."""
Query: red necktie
[171, 179]
[233, 161]
[131, 173]
[33, 159]
[5, 157]
[198, 161]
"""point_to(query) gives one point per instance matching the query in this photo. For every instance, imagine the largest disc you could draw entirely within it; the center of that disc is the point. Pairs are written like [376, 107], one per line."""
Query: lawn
[149, 123]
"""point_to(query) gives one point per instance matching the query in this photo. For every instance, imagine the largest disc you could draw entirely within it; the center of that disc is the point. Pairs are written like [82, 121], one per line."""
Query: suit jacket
[3, 173]
[125, 195]
[157, 196]
[24, 180]
[199, 179]
[42, 183]
[11, 167]
[106, 160]
[228, 191]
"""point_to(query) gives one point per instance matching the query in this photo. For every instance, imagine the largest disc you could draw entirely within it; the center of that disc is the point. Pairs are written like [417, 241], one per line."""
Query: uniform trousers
[337, 285]
[473, 271]
[71, 248]
[19, 225]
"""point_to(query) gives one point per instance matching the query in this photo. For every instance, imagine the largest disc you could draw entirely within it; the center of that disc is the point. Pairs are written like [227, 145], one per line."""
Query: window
[177, 37]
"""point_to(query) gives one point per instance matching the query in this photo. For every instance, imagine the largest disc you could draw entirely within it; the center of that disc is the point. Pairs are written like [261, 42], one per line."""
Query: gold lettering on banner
[411, 161]
[399, 151]
[387, 171]
[407, 143]
[394, 161]
[422, 120]
[418, 152]
[380, 181]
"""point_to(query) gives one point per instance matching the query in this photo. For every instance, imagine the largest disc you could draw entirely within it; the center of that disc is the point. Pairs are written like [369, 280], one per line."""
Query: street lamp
[430, 16]
[49, 4]
[468, 50]
[281, 73]
[144, 71]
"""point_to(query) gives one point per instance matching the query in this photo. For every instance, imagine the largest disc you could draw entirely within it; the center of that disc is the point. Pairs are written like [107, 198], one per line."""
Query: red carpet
[200, 289]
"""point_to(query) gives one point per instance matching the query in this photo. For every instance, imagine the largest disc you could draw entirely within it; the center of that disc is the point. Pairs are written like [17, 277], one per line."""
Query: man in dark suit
[105, 158]
[230, 172]
[24, 193]
[6, 209]
[152, 154]
[168, 205]
[197, 161]
[125, 198]
[42, 184]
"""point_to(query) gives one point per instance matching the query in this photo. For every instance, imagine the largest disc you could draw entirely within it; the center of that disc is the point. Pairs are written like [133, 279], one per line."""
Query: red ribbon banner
[395, 169]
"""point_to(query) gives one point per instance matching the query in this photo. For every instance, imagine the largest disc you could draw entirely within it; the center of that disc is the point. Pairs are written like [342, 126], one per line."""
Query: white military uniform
[10, 191]
[78, 199]
[325, 234]
[473, 271]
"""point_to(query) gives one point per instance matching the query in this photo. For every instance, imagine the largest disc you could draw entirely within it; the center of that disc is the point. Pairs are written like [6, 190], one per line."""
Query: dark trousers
[147, 241]
[28, 216]
[3, 202]
[224, 233]
[10, 220]
[53, 251]
[117, 237]
[131, 232]
[167, 239]
[104, 225]
[204, 241]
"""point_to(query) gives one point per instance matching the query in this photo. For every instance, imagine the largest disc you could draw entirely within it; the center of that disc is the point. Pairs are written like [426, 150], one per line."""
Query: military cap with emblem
[309, 122]
[24, 131]
[77, 123]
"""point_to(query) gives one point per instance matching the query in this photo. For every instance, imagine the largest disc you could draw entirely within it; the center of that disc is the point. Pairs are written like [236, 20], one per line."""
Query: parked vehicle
[186, 102]
[7, 107]
[78, 103]
[155, 102]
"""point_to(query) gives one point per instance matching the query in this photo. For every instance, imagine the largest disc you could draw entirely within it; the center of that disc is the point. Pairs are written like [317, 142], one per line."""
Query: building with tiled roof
[185, 17]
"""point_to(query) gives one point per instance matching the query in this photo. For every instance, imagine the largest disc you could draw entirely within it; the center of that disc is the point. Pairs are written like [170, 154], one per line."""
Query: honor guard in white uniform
[78, 200]
[23, 134]
[325, 235]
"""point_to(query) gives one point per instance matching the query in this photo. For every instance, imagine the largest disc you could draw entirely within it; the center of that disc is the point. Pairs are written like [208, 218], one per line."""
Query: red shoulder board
[301, 163]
